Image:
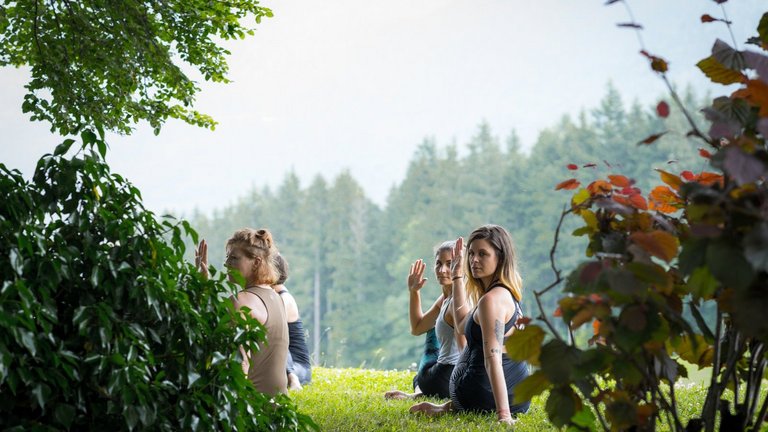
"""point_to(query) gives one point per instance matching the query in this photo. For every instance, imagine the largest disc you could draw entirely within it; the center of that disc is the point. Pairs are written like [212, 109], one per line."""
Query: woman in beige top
[251, 253]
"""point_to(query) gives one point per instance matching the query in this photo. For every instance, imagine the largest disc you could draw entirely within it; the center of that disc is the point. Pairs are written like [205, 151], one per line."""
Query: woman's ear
[256, 263]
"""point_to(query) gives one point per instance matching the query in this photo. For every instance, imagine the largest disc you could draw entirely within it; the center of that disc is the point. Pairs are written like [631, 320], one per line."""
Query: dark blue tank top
[470, 387]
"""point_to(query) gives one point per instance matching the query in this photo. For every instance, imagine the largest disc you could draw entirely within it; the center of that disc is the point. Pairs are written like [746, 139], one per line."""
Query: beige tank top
[266, 368]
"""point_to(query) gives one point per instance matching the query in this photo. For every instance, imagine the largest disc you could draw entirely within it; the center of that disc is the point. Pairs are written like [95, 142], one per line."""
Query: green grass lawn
[353, 400]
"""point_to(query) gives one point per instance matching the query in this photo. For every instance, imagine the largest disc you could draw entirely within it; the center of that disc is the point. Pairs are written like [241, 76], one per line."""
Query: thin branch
[34, 34]
[708, 412]
[637, 30]
[558, 277]
[728, 24]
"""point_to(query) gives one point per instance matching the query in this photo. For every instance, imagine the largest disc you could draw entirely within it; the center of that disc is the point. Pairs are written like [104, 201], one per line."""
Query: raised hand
[201, 258]
[457, 258]
[416, 276]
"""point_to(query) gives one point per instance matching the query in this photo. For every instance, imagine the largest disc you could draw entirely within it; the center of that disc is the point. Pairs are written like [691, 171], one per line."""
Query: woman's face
[482, 259]
[238, 260]
[443, 267]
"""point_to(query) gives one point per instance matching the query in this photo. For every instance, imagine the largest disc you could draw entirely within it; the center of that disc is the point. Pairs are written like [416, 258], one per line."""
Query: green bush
[103, 324]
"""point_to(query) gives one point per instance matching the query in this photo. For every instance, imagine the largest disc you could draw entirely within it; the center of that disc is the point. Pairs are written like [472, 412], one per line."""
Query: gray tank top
[449, 353]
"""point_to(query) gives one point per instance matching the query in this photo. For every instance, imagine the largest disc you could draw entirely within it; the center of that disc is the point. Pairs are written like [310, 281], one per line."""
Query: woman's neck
[447, 291]
[486, 282]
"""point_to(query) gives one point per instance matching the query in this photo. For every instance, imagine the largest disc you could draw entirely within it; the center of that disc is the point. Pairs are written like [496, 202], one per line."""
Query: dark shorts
[434, 380]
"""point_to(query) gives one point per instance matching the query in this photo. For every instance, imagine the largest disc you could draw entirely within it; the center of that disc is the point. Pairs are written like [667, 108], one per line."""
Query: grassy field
[353, 400]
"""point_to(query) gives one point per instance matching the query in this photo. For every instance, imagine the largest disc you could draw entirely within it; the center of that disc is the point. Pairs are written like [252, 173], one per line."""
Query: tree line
[349, 257]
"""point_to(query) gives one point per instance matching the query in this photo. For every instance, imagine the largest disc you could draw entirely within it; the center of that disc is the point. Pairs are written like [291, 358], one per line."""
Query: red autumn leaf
[629, 191]
[707, 18]
[651, 139]
[670, 179]
[590, 272]
[687, 175]
[756, 93]
[558, 312]
[660, 244]
[662, 109]
[595, 298]
[523, 321]
[638, 202]
[589, 165]
[568, 184]
[622, 200]
[619, 180]
[705, 154]
[664, 200]
[573, 167]
[599, 187]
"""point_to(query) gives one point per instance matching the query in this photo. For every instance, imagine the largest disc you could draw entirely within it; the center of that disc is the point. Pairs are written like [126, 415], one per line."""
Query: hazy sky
[350, 84]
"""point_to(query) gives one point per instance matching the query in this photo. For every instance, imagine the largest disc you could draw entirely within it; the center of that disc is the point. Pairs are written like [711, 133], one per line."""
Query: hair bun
[265, 236]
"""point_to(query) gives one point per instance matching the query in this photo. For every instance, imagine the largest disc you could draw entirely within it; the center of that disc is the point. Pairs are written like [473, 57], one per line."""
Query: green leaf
[693, 255]
[702, 284]
[585, 419]
[558, 360]
[525, 344]
[562, 404]
[756, 247]
[531, 386]
[728, 265]
[762, 28]
[64, 414]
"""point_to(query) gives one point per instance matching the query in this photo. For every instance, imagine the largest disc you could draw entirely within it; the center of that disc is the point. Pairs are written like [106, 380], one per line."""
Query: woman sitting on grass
[441, 348]
[484, 378]
[251, 253]
[297, 367]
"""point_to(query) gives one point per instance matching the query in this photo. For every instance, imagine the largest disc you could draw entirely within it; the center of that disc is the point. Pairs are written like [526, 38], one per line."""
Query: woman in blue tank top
[442, 348]
[484, 378]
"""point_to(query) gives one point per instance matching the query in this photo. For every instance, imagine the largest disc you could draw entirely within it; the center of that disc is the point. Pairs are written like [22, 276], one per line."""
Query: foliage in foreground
[699, 241]
[103, 325]
[109, 65]
[352, 400]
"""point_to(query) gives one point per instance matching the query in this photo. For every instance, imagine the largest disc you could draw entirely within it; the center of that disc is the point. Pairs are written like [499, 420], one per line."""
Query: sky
[355, 85]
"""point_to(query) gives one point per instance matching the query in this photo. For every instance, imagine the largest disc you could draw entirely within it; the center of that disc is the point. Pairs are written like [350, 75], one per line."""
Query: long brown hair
[257, 244]
[506, 273]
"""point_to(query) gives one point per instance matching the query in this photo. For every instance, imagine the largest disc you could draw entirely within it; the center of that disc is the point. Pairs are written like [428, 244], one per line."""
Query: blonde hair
[506, 273]
[257, 244]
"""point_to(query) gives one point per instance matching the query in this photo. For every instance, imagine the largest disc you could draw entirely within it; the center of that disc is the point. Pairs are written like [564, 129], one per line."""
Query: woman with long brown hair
[484, 378]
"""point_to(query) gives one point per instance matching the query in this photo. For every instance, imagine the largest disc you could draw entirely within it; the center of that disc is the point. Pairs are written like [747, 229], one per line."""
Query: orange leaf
[568, 184]
[664, 200]
[620, 181]
[596, 327]
[558, 312]
[707, 18]
[638, 202]
[573, 167]
[687, 175]
[705, 154]
[652, 138]
[598, 187]
[660, 244]
[709, 178]
[672, 180]
[756, 93]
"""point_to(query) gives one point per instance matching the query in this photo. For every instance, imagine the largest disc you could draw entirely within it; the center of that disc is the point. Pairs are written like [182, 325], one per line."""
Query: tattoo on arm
[498, 330]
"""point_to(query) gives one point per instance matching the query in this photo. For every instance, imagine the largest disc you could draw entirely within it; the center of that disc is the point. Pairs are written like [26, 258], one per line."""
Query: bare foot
[293, 382]
[397, 394]
[430, 409]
